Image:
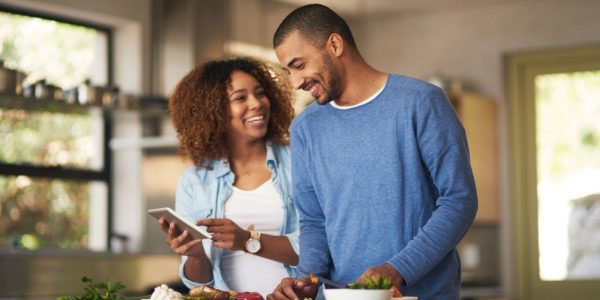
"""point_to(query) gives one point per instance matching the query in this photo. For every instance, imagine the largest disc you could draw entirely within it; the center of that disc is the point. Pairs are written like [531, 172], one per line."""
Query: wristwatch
[253, 243]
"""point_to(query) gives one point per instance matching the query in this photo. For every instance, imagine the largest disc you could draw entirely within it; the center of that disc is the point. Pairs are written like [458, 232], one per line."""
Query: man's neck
[360, 81]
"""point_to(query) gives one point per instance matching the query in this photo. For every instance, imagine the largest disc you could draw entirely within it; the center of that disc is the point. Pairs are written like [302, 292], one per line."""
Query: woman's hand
[180, 242]
[226, 234]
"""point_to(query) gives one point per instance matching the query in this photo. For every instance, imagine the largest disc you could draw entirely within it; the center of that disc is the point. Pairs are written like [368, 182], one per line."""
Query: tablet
[197, 232]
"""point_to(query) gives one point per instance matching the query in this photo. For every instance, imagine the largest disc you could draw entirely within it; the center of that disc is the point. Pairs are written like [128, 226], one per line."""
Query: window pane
[44, 213]
[63, 54]
[52, 139]
[568, 160]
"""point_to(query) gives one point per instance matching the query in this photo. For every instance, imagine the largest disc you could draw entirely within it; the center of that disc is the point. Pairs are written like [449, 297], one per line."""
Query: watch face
[252, 246]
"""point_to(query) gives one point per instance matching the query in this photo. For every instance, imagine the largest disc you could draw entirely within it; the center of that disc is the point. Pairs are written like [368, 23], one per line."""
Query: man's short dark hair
[315, 23]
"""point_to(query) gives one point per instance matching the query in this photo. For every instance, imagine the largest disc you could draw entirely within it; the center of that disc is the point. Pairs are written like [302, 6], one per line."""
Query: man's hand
[385, 270]
[294, 289]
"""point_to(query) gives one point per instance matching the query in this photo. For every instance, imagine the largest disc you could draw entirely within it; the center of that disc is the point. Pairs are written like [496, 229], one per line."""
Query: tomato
[248, 296]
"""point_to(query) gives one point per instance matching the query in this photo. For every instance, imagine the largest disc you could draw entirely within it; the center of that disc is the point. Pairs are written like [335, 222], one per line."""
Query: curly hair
[199, 106]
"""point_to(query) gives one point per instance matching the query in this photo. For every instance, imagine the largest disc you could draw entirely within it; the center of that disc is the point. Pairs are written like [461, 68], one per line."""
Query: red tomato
[248, 296]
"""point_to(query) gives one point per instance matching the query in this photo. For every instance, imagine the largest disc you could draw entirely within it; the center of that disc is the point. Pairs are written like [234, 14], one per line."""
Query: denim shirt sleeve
[188, 282]
[282, 155]
[184, 205]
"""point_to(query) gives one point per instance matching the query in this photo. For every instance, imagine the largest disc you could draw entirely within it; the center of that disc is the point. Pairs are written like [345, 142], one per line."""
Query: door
[554, 135]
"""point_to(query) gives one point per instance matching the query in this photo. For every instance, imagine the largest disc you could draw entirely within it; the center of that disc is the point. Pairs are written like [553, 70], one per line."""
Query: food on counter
[163, 292]
[211, 293]
[106, 290]
[373, 283]
[248, 296]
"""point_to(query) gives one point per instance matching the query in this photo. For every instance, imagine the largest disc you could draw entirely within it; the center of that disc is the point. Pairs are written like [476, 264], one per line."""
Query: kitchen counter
[47, 274]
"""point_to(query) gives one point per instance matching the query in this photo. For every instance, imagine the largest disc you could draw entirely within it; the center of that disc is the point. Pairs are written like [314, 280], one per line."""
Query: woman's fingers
[223, 244]
[185, 248]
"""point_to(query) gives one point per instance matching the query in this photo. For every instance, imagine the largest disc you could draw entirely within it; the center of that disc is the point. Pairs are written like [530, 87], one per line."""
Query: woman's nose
[253, 102]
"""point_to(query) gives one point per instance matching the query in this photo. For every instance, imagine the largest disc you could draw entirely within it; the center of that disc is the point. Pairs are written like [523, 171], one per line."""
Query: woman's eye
[260, 94]
[239, 98]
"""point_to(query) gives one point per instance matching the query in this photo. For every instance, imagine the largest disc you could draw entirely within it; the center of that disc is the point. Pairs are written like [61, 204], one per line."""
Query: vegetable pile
[373, 283]
[97, 291]
[211, 293]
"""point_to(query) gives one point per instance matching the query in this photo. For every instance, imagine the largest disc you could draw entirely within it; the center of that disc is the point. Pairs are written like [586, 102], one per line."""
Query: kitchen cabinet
[478, 115]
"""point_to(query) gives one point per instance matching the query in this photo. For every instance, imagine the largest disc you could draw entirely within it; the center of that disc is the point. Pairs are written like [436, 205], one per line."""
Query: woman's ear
[335, 44]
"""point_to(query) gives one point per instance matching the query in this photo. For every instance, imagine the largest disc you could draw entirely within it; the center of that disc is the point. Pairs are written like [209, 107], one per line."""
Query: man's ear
[335, 44]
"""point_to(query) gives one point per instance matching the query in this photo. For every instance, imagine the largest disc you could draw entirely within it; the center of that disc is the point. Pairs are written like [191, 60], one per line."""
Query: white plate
[356, 294]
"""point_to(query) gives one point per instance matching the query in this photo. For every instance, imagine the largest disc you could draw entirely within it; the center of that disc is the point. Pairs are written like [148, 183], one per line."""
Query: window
[54, 159]
[555, 172]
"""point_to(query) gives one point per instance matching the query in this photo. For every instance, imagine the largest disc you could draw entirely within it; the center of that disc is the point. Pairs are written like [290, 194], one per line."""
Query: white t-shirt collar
[371, 98]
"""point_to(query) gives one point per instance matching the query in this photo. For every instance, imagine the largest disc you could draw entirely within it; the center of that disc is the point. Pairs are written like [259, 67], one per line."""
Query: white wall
[469, 43]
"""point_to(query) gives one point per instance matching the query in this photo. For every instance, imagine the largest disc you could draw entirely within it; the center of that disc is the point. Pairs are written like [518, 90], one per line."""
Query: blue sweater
[386, 182]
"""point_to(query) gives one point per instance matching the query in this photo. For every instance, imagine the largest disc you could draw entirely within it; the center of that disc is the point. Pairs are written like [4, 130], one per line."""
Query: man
[380, 169]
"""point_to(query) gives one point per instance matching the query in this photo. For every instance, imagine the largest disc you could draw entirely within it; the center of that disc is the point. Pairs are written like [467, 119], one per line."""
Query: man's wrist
[397, 279]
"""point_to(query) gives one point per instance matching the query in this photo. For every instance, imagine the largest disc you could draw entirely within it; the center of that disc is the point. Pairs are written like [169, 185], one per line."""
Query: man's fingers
[288, 289]
[279, 294]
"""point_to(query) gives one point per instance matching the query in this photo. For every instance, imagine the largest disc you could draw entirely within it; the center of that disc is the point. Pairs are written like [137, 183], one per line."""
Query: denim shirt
[202, 192]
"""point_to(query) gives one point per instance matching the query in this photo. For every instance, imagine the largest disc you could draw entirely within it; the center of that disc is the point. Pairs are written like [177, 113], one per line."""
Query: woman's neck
[246, 155]
[248, 163]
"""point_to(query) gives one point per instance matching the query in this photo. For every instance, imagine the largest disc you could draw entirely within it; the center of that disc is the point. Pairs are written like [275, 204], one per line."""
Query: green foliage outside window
[43, 213]
[568, 110]
[45, 49]
[38, 213]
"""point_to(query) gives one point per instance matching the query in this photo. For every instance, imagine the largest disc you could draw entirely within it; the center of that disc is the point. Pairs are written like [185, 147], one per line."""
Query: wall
[469, 44]
[196, 31]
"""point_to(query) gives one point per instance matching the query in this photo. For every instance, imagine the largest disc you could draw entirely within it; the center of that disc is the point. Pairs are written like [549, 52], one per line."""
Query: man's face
[311, 68]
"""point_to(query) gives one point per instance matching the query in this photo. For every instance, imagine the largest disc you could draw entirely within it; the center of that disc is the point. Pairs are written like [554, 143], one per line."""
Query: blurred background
[87, 144]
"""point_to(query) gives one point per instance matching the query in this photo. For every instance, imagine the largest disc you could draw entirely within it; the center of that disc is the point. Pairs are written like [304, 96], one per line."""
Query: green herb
[106, 290]
[373, 283]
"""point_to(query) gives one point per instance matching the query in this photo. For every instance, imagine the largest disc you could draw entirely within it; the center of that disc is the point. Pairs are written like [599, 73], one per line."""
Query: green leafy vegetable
[106, 290]
[373, 283]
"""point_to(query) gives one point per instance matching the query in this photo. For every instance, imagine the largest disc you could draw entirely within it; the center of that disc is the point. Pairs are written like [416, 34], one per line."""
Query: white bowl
[356, 294]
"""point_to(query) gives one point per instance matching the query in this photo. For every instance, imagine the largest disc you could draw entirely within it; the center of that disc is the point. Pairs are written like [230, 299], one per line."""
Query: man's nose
[297, 81]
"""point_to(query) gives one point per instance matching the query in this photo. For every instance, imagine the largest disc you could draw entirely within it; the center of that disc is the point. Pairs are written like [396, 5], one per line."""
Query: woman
[232, 119]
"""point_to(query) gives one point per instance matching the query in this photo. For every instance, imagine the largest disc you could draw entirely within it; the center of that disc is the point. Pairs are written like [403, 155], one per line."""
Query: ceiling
[364, 7]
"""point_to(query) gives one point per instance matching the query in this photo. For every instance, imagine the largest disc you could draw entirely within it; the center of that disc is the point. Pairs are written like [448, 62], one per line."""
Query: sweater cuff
[404, 270]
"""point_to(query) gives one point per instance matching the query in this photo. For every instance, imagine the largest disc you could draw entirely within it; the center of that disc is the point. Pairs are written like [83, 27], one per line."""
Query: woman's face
[249, 108]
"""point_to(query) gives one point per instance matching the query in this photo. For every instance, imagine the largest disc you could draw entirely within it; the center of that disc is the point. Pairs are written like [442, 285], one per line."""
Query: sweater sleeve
[314, 254]
[444, 152]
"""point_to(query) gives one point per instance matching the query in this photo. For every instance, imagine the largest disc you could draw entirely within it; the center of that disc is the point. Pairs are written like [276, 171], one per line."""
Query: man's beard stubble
[333, 88]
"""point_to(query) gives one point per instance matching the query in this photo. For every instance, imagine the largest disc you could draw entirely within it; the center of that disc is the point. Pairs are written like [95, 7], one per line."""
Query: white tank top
[245, 272]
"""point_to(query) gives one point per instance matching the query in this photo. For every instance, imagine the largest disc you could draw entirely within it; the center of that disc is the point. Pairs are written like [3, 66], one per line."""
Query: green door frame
[521, 70]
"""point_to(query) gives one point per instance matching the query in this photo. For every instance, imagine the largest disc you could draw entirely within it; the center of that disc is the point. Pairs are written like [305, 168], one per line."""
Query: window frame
[56, 172]
[521, 70]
